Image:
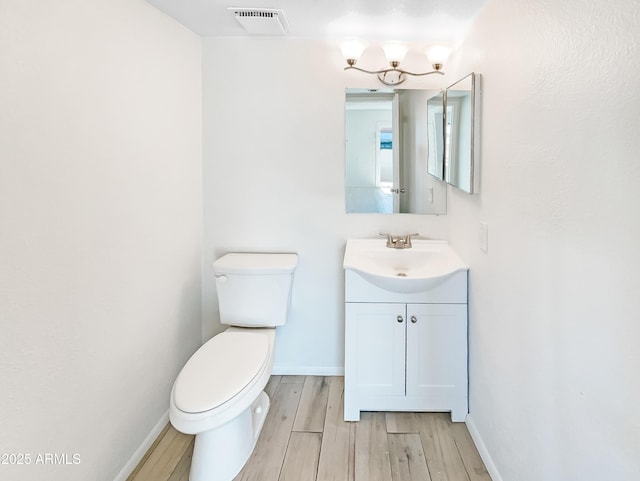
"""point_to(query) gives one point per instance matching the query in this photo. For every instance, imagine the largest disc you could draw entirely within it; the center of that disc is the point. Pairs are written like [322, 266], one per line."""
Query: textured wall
[554, 306]
[100, 228]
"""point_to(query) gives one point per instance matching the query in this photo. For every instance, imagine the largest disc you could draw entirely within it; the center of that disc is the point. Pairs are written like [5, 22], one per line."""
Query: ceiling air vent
[261, 21]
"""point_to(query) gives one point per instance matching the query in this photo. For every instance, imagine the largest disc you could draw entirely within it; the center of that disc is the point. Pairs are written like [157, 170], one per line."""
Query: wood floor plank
[181, 471]
[352, 451]
[401, 423]
[292, 379]
[149, 452]
[162, 462]
[336, 453]
[272, 385]
[313, 405]
[471, 459]
[408, 462]
[266, 461]
[372, 449]
[440, 450]
[301, 460]
[184, 477]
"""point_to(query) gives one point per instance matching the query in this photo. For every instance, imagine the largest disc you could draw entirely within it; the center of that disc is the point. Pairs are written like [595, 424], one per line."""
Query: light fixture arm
[398, 75]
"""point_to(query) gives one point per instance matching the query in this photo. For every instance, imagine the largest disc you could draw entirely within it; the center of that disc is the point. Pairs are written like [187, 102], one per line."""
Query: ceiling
[427, 21]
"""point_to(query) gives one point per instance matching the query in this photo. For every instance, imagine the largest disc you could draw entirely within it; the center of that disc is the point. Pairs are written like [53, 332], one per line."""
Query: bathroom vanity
[405, 329]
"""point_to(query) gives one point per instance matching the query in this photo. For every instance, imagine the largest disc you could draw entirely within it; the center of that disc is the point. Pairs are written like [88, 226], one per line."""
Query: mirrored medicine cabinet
[386, 150]
[454, 117]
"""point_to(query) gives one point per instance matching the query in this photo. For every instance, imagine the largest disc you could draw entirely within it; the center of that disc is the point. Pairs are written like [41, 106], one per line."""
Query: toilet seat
[220, 370]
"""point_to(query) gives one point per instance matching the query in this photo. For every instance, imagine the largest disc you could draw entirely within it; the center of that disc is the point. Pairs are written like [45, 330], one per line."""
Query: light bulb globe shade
[438, 54]
[395, 51]
[352, 49]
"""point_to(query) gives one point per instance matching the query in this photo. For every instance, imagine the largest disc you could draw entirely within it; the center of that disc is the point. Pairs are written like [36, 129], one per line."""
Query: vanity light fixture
[395, 53]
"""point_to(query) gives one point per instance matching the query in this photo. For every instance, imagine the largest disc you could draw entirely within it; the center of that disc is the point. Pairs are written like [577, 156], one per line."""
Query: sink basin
[415, 269]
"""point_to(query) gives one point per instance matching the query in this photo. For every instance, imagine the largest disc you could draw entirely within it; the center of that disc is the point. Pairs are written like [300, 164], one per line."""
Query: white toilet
[218, 395]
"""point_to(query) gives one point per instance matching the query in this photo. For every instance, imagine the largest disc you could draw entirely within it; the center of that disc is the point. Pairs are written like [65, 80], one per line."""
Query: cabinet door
[437, 352]
[375, 348]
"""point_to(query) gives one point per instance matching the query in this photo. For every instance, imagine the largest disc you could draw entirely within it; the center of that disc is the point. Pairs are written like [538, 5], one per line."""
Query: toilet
[219, 394]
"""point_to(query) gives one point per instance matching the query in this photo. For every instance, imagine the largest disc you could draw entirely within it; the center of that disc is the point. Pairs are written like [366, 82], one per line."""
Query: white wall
[274, 180]
[100, 228]
[554, 307]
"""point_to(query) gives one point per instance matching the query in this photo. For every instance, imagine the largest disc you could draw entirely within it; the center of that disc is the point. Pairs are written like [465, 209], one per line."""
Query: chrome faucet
[398, 242]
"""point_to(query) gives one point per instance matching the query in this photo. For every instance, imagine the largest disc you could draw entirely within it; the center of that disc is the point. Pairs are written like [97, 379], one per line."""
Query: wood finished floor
[305, 439]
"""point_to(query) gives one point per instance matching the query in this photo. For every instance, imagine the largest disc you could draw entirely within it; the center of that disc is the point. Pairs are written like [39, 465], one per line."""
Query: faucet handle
[390, 240]
[407, 239]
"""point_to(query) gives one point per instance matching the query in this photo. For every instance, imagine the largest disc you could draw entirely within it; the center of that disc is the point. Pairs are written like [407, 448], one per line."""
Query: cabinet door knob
[414, 319]
[399, 319]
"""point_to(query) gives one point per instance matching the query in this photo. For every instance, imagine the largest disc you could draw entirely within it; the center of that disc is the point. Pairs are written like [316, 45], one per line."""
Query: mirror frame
[436, 160]
[474, 127]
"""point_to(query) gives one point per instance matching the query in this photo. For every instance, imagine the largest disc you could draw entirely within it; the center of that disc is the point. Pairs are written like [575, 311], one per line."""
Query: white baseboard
[142, 449]
[308, 370]
[482, 449]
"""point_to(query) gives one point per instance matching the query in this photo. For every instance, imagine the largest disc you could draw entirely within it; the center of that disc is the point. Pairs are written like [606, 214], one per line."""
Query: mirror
[386, 152]
[436, 124]
[461, 134]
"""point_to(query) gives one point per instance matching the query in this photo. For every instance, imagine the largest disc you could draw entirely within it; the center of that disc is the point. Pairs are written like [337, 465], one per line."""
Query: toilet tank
[254, 289]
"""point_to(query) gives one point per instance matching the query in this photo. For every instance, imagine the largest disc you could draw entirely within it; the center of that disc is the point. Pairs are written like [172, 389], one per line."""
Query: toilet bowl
[219, 394]
[226, 413]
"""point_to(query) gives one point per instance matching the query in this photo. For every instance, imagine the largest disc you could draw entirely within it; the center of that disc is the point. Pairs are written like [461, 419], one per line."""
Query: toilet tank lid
[255, 263]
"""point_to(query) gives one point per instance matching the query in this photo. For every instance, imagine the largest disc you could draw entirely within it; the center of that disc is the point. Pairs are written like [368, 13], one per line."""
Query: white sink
[414, 269]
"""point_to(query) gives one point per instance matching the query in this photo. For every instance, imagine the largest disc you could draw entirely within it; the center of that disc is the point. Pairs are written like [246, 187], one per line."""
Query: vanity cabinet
[406, 356]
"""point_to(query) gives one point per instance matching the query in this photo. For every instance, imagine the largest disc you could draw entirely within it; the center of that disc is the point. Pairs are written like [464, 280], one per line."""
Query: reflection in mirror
[461, 134]
[435, 116]
[386, 153]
